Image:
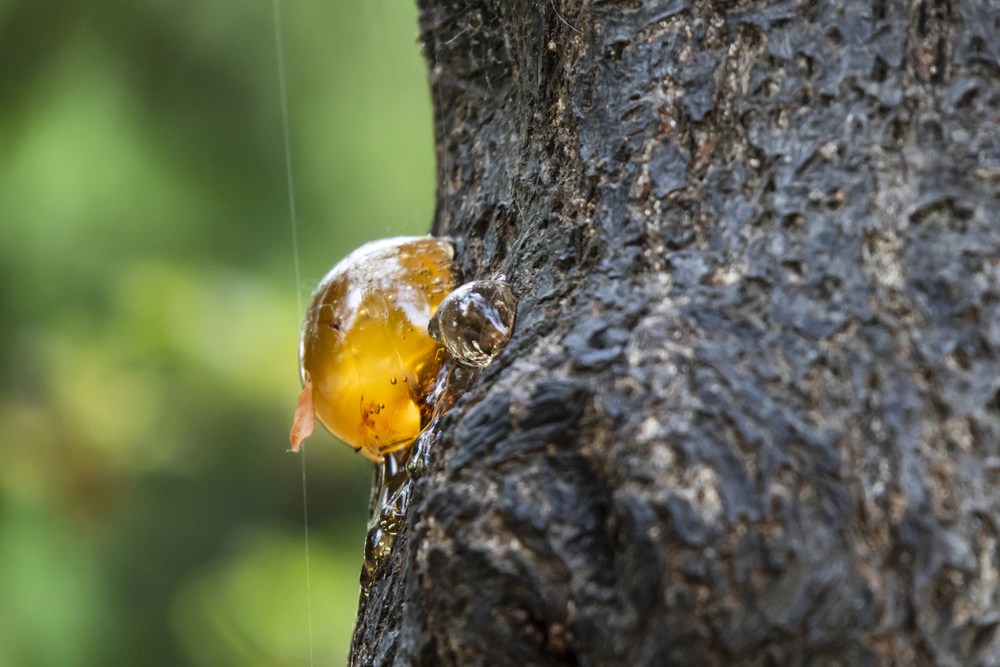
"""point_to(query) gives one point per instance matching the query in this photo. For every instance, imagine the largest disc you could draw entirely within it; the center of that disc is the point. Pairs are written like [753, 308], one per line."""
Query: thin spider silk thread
[283, 93]
[567, 23]
[436, 91]
[444, 140]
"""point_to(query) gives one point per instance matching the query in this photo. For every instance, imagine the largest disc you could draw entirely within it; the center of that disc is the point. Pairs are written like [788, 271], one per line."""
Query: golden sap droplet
[350, 341]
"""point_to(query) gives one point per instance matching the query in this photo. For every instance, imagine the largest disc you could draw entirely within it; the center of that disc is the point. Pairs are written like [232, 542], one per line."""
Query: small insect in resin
[367, 363]
[475, 321]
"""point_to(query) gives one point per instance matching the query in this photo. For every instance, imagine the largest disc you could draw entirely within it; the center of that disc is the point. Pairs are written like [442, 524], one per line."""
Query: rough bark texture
[750, 414]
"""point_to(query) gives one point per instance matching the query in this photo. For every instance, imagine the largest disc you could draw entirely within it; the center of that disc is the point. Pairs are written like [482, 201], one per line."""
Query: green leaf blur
[149, 511]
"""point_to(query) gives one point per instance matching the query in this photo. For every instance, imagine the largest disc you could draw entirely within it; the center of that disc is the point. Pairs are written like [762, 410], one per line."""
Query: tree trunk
[750, 412]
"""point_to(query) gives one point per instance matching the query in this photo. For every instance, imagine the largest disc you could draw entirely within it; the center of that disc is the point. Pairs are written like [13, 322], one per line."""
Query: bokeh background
[149, 511]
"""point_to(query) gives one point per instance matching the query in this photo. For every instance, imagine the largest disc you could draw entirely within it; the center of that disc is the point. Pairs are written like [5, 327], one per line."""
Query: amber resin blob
[368, 365]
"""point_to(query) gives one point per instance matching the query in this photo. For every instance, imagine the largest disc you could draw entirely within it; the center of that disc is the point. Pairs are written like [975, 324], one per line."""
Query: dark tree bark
[750, 413]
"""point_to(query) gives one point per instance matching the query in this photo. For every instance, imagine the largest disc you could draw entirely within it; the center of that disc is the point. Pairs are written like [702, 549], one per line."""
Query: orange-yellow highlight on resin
[366, 361]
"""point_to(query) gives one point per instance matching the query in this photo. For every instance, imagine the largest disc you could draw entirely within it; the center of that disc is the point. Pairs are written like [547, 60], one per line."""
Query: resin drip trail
[392, 488]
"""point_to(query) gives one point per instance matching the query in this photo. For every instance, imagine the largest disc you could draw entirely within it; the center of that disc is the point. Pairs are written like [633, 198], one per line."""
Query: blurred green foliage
[149, 511]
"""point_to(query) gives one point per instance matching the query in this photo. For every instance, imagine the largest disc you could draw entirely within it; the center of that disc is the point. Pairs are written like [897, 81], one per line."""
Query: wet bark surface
[750, 412]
